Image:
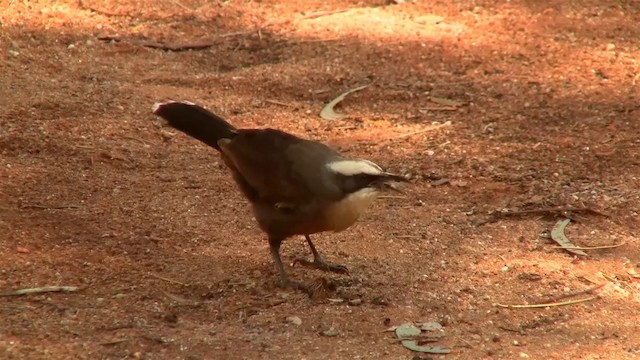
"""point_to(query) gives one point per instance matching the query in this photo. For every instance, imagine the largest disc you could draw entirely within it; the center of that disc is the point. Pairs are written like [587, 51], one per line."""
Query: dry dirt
[544, 107]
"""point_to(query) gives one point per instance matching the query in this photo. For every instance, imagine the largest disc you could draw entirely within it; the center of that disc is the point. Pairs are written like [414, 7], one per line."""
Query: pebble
[294, 320]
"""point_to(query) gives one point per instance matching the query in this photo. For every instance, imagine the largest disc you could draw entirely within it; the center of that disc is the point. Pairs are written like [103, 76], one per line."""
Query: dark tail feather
[195, 121]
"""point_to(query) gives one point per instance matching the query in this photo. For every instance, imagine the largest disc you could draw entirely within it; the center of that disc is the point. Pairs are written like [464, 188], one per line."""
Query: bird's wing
[280, 167]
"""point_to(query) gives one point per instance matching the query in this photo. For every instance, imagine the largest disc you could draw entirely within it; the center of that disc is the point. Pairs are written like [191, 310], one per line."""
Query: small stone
[523, 355]
[330, 332]
[611, 46]
[294, 320]
[355, 302]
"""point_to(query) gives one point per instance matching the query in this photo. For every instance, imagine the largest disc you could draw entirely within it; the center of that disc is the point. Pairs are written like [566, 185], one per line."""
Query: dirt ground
[486, 105]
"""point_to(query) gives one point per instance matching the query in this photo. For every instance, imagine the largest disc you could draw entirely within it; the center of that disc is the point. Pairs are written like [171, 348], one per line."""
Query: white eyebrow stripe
[354, 167]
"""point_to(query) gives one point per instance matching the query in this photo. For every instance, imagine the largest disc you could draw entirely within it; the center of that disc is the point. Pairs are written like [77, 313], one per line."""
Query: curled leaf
[557, 234]
[327, 112]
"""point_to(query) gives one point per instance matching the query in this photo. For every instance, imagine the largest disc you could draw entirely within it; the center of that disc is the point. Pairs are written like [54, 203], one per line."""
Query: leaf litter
[410, 336]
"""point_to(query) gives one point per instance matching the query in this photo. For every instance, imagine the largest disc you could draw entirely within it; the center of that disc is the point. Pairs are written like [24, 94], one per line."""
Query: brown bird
[295, 186]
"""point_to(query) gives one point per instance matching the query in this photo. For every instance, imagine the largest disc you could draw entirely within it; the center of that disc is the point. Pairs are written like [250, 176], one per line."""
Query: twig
[100, 11]
[437, 108]
[306, 41]
[161, 46]
[407, 236]
[553, 299]
[182, 5]
[113, 342]
[430, 128]
[550, 210]
[276, 102]
[167, 279]
[590, 247]
[53, 207]
[40, 290]
[136, 139]
[209, 43]
[533, 306]
[391, 197]
[156, 338]
[323, 13]
[181, 301]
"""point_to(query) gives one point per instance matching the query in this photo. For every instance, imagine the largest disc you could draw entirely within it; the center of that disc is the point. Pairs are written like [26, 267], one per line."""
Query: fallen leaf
[430, 326]
[407, 330]
[413, 346]
[327, 112]
[557, 234]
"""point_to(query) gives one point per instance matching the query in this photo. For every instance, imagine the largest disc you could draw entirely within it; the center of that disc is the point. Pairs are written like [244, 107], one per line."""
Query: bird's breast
[345, 212]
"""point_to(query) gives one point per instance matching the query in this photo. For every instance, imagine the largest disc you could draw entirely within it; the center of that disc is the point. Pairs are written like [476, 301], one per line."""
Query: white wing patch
[355, 167]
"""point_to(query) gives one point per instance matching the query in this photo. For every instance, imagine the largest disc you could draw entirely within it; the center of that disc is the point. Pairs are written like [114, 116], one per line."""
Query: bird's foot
[319, 263]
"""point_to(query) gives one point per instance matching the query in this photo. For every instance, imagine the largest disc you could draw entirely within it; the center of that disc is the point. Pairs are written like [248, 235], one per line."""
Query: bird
[295, 186]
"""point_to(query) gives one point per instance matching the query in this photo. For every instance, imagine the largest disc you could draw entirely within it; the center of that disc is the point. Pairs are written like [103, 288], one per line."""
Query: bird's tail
[195, 121]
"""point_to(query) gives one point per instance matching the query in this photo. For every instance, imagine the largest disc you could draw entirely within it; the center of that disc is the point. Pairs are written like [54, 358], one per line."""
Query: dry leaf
[557, 234]
[327, 112]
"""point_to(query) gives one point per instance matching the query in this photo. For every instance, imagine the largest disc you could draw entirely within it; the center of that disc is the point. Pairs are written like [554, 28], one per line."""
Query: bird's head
[356, 175]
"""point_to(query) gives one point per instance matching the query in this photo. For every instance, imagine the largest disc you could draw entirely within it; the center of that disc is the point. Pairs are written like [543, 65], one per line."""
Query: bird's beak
[390, 181]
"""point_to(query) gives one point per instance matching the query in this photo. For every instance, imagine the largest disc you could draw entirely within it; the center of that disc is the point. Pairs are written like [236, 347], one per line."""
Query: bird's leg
[318, 262]
[274, 245]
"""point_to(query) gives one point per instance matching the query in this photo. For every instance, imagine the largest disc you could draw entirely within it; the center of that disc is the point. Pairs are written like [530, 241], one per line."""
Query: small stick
[53, 207]
[533, 306]
[590, 247]
[136, 139]
[113, 342]
[182, 5]
[571, 293]
[181, 301]
[39, 290]
[437, 108]
[323, 13]
[158, 339]
[168, 47]
[550, 210]
[391, 197]
[430, 128]
[276, 102]
[167, 279]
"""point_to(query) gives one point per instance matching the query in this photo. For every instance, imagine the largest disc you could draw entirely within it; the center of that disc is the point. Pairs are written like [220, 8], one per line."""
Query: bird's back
[280, 167]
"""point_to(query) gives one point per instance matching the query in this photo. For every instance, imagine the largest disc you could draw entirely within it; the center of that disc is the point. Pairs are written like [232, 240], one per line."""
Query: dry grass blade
[534, 306]
[167, 279]
[39, 290]
[591, 247]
